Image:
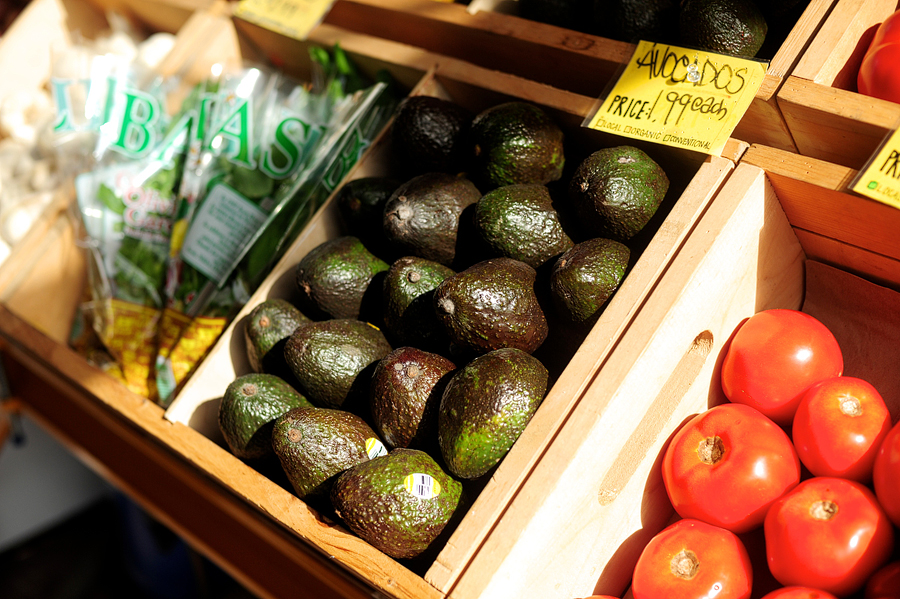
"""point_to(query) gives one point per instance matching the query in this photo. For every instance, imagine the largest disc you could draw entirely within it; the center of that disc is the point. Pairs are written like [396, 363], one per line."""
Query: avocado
[585, 277]
[399, 503]
[334, 280]
[520, 222]
[331, 360]
[248, 411]
[423, 216]
[490, 305]
[634, 20]
[314, 445]
[616, 191]
[268, 326]
[405, 396]
[735, 27]
[409, 317]
[429, 134]
[516, 142]
[486, 406]
[360, 203]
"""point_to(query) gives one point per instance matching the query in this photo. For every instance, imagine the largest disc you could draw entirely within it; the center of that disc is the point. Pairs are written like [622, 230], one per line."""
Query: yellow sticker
[293, 18]
[880, 179]
[679, 97]
[375, 448]
[423, 486]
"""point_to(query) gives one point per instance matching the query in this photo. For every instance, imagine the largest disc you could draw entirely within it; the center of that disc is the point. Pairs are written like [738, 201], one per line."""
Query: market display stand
[737, 241]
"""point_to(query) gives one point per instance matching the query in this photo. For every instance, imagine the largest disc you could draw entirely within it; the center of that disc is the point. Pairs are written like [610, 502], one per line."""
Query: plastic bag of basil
[267, 157]
[126, 206]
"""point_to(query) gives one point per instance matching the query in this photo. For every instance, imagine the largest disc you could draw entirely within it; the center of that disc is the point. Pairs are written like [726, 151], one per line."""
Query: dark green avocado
[423, 215]
[405, 396]
[634, 20]
[516, 142]
[491, 305]
[486, 406]
[616, 191]
[248, 411]
[268, 325]
[331, 360]
[360, 204]
[399, 503]
[429, 135]
[314, 445]
[409, 317]
[334, 279]
[586, 276]
[520, 222]
[735, 27]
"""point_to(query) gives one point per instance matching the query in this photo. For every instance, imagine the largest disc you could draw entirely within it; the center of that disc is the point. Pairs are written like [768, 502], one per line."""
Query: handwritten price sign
[880, 178]
[680, 97]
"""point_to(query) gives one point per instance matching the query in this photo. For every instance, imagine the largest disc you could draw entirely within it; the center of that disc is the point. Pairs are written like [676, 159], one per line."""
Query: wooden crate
[695, 179]
[566, 59]
[827, 117]
[781, 233]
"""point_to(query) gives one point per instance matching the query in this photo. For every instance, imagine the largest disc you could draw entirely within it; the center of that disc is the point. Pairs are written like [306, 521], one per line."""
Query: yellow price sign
[293, 18]
[880, 178]
[679, 97]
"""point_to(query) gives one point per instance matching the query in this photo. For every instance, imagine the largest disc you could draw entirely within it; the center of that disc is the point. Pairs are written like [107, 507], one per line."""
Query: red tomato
[828, 533]
[839, 427]
[879, 72]
[886, 474]
[776, 356]
[693, 560]
[727, 465]
[798, 593]
[884, 583]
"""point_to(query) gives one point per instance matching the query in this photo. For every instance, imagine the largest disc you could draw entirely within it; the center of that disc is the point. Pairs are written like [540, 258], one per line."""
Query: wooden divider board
[825, 114]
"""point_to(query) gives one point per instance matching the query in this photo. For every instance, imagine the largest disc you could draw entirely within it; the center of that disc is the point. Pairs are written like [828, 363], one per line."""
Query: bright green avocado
[399, 503]
[616, 191]
[249, 407]
[486, 406]
[314, 445]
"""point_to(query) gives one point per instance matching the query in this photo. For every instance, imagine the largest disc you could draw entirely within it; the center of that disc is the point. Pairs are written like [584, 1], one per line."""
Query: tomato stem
[685, 564]
[711, 450]
[823, 510]
[851, 406]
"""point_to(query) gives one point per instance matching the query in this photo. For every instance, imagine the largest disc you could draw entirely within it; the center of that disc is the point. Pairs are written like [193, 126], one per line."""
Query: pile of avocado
[411, 358]
[733, 27]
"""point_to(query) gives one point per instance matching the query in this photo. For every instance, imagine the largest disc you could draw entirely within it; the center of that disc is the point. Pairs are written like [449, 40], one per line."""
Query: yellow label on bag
[680, 97]
[880, 179]
[293, 18]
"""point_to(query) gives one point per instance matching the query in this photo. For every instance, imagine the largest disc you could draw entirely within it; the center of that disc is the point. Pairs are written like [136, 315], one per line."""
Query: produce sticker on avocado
[679, 97]
[293, 18]
[423, 486]
[880, 179]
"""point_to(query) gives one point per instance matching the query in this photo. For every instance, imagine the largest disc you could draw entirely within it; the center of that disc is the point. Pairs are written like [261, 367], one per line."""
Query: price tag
[880, 178]
[293, 18]
[679, 97]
